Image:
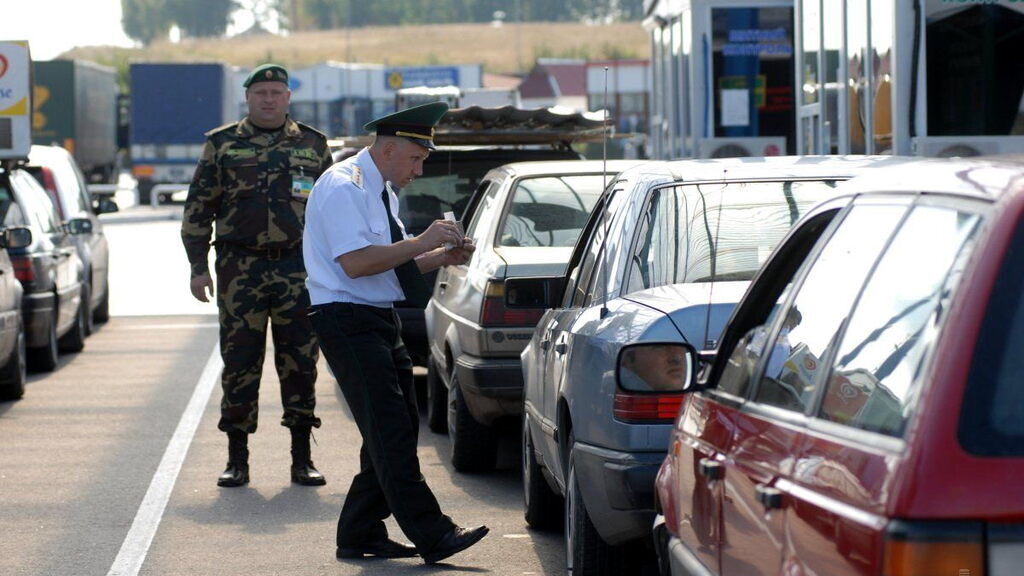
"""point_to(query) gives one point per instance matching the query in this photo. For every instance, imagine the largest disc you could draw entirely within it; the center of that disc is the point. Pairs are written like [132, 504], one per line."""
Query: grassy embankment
[508, 49]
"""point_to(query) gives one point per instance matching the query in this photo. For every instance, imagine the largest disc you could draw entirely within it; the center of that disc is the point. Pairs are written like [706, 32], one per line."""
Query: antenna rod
[604, 176]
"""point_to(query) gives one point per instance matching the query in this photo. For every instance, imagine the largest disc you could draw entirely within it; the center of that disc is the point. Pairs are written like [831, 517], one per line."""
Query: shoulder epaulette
[357, 176]
[309, 128]
[223, 128]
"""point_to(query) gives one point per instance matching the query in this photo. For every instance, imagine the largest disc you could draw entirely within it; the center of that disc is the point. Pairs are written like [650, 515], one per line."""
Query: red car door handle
[711, 470]
[770, 498]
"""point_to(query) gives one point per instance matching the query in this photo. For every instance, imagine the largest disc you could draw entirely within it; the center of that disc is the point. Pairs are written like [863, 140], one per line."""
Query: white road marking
[136, 544]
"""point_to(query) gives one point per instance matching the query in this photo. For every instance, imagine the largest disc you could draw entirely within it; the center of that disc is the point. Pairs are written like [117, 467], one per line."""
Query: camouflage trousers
[250, 291]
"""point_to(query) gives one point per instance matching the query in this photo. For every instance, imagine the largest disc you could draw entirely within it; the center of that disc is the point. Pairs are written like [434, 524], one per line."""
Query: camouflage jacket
[253, 185]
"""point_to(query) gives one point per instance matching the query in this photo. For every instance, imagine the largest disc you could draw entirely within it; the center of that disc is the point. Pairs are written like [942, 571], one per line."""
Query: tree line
[149, 20]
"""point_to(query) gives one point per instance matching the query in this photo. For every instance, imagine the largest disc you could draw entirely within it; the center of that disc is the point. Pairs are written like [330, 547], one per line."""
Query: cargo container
[75, 106]
[173, 105]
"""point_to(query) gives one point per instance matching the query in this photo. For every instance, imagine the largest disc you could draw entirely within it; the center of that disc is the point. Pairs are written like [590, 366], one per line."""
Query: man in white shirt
[359, 263]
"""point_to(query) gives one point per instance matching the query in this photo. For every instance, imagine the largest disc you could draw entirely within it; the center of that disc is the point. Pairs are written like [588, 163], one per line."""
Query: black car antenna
[604, 186]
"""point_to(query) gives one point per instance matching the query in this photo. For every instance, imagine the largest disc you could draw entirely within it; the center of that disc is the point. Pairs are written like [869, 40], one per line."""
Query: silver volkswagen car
[525, 218]
[669, 251]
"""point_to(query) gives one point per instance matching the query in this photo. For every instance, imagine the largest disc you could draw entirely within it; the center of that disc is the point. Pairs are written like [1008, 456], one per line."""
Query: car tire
[437, 400]
[540, 504]
[585, 552]
[474, 445]
[74, 340]
[87, 302]
[44, 358]
[102, 313]
[13, 374]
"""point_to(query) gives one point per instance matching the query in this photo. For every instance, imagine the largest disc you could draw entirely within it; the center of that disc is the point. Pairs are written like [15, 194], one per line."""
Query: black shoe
[386, 548]
[307, 475]
[454, 542]
[234, 476]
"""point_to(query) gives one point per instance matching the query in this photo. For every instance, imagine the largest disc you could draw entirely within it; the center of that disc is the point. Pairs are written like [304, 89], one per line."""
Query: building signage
[758, 42]
[15, 100]
[429, 76]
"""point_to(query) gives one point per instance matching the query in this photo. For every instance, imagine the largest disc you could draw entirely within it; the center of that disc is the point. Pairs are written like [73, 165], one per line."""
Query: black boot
[303, 471]
[237, 472]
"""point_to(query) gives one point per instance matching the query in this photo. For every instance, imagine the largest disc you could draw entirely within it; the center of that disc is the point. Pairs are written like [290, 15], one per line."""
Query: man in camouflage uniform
[253, 180]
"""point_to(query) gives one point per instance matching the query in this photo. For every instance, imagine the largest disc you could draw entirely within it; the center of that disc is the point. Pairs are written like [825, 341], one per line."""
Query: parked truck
[75, 106]
[173, 105]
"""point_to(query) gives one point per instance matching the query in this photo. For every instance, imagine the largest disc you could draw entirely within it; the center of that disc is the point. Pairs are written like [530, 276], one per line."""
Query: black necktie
[417, 293]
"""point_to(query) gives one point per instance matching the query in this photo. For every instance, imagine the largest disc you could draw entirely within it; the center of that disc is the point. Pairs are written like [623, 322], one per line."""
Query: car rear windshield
[992, 420]
[550, 210]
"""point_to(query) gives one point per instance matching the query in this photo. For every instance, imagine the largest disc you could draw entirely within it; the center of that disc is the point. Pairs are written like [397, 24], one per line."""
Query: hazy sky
[54, 26]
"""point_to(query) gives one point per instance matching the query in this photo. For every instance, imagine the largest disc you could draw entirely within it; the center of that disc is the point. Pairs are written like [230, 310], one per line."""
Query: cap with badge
[416, 123]
[266, 73]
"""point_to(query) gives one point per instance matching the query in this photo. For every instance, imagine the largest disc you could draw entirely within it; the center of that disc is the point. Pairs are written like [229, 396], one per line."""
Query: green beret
[266, 73]
[416, 123]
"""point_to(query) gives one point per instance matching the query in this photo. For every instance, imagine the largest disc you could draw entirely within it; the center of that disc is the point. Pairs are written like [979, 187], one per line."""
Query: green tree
[144, 20]
[201, 18]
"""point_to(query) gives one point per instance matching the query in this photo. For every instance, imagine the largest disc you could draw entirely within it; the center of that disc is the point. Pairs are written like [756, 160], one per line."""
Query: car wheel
[585, 552]
[540, 504]
[102, 313]
[437, 400]
[12, 375]
[74, 340]
[44, 358]
[474, 446]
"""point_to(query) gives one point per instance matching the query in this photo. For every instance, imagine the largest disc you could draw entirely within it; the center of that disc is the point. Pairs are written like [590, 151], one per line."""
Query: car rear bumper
[492, 387]
[618, 490]
[38, 310]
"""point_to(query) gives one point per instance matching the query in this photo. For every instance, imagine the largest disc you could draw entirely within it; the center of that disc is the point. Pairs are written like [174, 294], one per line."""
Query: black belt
[265, 253]
[386, 313]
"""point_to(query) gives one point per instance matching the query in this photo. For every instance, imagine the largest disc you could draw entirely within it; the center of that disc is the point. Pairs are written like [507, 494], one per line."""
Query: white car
[525, 219]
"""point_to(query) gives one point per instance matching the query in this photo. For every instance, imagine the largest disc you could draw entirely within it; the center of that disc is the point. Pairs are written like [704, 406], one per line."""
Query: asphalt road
[108, 464]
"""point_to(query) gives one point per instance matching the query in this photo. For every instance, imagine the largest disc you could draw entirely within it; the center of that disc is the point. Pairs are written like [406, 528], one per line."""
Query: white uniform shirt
[344, 214]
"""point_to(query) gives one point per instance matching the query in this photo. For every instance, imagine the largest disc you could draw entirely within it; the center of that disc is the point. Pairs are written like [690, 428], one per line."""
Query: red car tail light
[646, 408]
[927, 548]
[494, 312]
[23, 268]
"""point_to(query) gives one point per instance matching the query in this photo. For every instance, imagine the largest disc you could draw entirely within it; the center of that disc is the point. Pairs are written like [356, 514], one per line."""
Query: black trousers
[364, 348]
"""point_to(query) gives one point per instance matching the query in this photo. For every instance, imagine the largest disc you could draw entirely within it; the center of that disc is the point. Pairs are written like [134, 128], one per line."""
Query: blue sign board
[429, 76]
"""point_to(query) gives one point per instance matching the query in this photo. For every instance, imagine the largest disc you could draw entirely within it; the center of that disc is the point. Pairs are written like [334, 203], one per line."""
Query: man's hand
[440, 232]
[200, 285]
[461, 254]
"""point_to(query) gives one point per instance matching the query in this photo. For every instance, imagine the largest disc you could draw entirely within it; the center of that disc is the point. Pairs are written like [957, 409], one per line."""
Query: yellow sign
[395, 80]
[15, 99]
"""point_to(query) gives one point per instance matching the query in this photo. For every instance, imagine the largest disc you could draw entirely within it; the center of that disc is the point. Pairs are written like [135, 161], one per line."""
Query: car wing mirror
[79, 226]
[659, 367]
[533, 292]
[17, 237]
[106, 205]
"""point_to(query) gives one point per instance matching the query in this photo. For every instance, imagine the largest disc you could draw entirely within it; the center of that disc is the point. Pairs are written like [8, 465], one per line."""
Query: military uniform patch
[357, 177]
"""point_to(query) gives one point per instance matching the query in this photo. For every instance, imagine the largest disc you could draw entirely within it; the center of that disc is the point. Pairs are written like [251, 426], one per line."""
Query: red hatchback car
[864, 412]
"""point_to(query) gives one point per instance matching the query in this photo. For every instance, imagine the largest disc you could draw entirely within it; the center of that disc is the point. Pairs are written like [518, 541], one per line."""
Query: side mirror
[533, 292]
[106, 205]
[657, 367]
[17, 237]
[79, 226]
